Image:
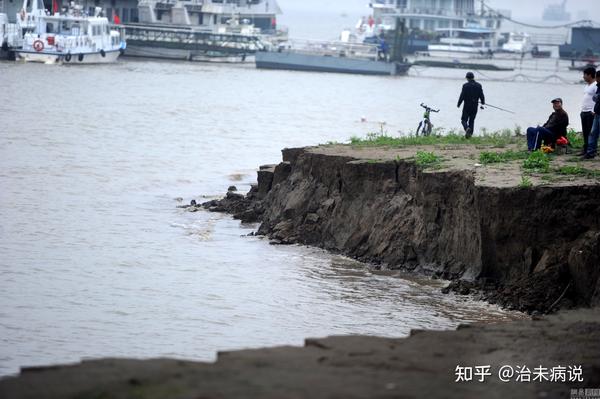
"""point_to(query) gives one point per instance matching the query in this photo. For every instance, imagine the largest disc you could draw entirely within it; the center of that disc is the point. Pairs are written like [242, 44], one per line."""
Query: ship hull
[62, 58]
[320, 63]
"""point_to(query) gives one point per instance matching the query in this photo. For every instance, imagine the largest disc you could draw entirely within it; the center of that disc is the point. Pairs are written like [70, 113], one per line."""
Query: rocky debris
[192, 207]
[247, 208]
[423, 365]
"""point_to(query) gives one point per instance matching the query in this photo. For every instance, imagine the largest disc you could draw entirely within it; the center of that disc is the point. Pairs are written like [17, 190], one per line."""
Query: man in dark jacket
[593, 142]
[471, 94]
[553, 129]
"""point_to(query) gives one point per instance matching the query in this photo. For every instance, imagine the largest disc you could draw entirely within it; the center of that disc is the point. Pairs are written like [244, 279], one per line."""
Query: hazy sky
[526, 9]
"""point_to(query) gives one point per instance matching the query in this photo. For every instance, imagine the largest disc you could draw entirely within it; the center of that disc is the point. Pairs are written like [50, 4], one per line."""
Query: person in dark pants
[592, 147]
[587, 108]
[471, 94]
[555, 127]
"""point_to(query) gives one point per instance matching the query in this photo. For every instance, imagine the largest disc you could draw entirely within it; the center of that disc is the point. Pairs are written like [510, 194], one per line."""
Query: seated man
[555, 127]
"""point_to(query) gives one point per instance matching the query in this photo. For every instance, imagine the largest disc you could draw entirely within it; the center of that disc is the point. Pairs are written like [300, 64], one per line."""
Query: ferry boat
[426, 20]
[70, 37]
[469, 42]
[204, 30]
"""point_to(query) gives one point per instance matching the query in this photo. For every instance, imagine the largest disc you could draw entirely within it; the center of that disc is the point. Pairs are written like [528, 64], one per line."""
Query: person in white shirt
[587, 108]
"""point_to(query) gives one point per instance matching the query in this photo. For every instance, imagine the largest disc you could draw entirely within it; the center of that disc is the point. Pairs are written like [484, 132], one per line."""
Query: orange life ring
[38, 45]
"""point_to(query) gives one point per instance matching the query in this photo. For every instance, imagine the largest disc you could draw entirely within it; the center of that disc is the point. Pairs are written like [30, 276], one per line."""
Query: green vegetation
[518, 131]
[426, 159]
[495, 139]
[575, 139]
[537, 161]
[571, 170]
[525, 182]
[578, 171]
[488, 157]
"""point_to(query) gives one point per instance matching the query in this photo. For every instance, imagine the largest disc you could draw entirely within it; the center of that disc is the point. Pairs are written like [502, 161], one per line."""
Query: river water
[96, 259]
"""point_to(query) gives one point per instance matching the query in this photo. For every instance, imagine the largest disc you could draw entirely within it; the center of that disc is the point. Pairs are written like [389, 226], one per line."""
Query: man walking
[587, 108]
[471, 94]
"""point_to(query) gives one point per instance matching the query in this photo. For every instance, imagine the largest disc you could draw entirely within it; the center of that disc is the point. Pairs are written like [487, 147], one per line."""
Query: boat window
[49, 27]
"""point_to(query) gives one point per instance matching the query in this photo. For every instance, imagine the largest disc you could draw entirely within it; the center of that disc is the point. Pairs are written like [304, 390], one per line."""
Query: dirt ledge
[532, 249]
[420, 366]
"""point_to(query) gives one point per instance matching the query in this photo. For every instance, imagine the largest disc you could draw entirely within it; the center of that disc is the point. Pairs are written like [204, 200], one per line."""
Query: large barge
[319, 63]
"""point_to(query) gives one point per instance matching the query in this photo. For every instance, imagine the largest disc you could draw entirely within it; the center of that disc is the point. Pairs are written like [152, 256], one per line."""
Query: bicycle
[426, 122]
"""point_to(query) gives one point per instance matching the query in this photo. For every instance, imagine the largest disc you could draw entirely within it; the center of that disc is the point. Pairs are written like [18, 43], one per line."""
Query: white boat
[469, 42]
[519, 43]
[70, 37]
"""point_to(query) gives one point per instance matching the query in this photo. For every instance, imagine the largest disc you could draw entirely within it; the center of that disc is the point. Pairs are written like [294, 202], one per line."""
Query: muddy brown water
[97, 261]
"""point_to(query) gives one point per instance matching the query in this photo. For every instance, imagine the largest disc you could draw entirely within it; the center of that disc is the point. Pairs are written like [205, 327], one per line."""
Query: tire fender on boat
[68, 57]
[80, 57]
[38, 45]
[103, 53]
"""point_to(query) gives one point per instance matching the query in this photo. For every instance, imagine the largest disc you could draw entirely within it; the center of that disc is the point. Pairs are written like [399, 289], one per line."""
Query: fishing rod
[501, 109]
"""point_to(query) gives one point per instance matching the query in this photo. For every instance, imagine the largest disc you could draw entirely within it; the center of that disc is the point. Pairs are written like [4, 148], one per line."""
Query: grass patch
[537, 161]
[572, 170]
[427, 159]
[569, 170]
[488, 157]
[525, 182]
[495, 139]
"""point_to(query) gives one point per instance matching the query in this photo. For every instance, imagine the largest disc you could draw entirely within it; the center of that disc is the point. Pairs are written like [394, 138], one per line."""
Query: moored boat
[519, 43]
[336, 57]
[70, 37]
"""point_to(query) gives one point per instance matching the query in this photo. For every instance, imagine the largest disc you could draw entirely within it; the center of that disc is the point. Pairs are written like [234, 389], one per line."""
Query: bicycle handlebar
[429, 108]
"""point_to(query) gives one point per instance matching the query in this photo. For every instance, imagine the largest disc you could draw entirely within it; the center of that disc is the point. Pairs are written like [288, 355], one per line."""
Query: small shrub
[525, 182]
[487, 157]
[575, 139]
[427, 159]
[518, 130]
[537, 161]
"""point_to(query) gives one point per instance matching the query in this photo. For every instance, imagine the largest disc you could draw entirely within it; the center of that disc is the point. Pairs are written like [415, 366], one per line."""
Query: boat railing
[14, 35]
[330, 48]
[442, 12]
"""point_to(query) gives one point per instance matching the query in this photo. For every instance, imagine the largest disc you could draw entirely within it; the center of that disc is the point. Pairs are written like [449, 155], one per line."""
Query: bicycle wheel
[428, 128]
[419, 128]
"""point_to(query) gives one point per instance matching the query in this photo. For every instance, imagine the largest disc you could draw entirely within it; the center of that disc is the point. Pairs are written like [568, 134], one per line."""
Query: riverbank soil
[522, 230]
[421, 366]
